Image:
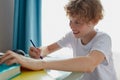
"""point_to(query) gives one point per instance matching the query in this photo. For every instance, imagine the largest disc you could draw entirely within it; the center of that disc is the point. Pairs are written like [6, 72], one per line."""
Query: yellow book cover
[27, 74]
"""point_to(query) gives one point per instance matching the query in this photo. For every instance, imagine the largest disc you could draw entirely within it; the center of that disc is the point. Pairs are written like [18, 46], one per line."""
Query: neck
[86, 39]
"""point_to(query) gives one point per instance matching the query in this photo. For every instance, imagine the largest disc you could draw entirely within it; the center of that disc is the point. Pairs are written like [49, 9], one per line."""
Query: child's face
[80, 29]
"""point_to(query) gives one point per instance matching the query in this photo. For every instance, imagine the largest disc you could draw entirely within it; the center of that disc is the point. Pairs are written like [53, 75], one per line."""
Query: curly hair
[87, 10]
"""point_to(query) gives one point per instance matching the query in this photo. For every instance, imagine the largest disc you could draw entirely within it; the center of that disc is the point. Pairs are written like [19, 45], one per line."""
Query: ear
[90, 24]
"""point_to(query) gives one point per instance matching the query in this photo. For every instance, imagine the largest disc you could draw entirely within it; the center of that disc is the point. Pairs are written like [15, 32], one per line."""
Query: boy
[91, 48]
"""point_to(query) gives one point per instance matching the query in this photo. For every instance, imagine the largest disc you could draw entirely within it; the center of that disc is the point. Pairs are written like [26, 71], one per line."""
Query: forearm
[49, 49]
[44, 51]
[81, 64]
[30, 63]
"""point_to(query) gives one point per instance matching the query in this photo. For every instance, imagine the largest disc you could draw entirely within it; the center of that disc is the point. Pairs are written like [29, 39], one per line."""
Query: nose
[72, 26]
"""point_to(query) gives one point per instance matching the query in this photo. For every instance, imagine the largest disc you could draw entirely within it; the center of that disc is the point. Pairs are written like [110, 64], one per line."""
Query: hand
[11, 57]
[35, 52]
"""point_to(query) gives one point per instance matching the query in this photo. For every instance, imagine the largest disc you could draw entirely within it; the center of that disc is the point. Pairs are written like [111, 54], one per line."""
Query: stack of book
[8, 72]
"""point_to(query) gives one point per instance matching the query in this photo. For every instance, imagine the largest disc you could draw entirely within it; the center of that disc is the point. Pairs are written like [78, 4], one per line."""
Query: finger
[8, 55]
[32, 53]
[32, 56]
[38, 50]
[33, 50]
[4, 58]
[5, 54]
[11, 61]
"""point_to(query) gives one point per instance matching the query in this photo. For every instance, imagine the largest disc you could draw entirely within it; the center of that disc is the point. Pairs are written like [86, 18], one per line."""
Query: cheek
[82, 28]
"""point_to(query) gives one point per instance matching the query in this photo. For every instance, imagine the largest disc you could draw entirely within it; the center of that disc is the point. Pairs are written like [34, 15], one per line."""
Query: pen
[32, 43]
[35, 47]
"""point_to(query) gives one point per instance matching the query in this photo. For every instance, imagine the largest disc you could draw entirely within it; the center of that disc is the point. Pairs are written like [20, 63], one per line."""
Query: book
[7, 72]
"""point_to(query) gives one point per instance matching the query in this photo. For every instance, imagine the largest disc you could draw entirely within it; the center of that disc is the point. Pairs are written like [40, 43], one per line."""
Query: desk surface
[48, 74]
[33, 75]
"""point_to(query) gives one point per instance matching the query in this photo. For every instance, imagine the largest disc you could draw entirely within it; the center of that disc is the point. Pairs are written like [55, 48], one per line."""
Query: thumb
[38, 50]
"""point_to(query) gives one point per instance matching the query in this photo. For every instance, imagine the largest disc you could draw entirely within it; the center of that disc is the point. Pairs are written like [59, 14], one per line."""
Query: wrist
[44, 52]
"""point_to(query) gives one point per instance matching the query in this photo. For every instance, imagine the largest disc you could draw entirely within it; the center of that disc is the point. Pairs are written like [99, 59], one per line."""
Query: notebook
[8, 72]
[64, 75]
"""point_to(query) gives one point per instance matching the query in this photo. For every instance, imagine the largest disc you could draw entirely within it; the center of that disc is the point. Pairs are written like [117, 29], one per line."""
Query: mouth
[76, 32]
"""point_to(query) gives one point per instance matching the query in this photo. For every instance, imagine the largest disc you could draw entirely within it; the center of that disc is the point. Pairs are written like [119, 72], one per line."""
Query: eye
[76, 22]
[70, 22]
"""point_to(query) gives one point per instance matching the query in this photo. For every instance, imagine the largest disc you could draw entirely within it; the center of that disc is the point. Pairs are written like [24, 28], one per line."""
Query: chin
[76, 36]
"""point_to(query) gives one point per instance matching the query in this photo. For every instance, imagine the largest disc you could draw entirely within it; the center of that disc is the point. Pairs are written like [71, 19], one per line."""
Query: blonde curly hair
[87, 10]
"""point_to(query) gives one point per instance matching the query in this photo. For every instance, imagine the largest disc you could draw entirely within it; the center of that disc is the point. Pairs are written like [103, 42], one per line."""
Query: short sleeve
[65, 41]
[103, 44]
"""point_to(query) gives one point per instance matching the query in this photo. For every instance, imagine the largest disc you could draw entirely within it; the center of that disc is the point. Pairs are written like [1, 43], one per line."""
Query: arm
[43, 51]
[49, 49]
[80, 64]
[83, 64]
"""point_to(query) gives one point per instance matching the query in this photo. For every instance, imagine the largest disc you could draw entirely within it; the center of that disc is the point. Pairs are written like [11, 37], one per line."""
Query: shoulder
[67, 39]
[102, 39]
[102, 36]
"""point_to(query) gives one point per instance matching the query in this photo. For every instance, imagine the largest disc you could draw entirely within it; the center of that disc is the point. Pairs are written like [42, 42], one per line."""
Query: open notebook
[62, 75]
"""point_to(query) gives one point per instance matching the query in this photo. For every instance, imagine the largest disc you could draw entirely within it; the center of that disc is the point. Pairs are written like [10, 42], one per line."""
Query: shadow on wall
[6, 24]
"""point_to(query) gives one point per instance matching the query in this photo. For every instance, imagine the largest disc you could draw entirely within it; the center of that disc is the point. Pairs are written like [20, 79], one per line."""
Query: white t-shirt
[101, 42]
